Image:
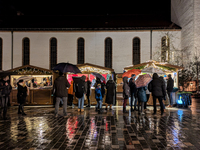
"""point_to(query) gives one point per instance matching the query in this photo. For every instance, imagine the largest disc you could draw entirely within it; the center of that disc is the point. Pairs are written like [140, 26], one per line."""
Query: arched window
[1, 53]
[108, 52]
[80, 51]
[165, 49]
[53, 52]
[136, 51]
[26, 51]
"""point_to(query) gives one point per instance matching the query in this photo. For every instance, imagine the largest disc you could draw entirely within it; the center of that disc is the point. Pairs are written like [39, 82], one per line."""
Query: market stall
[40, 84]
[165, 67]
[86, 70]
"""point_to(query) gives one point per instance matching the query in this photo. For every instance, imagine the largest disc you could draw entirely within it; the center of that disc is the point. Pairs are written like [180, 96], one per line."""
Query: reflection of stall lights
[179, 101]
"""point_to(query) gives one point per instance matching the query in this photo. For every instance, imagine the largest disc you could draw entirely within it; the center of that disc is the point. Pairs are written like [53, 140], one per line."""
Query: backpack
[79, 88]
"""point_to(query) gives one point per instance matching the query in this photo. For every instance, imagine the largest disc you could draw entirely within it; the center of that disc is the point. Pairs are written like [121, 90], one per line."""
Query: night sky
[23, 9]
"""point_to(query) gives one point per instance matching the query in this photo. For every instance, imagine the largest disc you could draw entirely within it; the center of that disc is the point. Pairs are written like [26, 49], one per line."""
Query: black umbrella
[98, 75]
[66, 67]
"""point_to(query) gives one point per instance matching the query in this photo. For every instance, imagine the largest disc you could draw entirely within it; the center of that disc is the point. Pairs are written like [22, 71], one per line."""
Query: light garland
[94, 69]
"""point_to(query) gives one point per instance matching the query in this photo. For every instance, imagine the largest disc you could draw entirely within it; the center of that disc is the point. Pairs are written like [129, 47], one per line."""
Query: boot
[82, 110]
[19, 110]
[79, 110]
[124, 110]
[132, 110]
[23, 113]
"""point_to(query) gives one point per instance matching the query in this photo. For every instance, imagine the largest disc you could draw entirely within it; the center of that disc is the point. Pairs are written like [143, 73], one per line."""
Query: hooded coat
[157, 86]
[60, 86]
[126, 88]
[21, 93]
[111, 89]
[141, 94]
[170, 84]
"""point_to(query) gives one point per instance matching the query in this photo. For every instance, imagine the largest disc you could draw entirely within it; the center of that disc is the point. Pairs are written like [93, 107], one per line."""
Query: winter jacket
[60, 87]
[132, 86]
[111, 90]
[80, 86]
[126, 88]
[98, 94]
[88, 87]
[21, 93]
[170, 85]
[157, 86]
[70, 90]
[141, 94]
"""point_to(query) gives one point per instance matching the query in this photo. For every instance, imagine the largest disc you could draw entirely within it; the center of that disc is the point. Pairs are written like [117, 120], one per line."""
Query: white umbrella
[152, 70]
[24, 78]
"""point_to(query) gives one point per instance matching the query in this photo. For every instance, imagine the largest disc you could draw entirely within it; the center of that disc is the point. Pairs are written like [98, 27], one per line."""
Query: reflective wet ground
[177, 129]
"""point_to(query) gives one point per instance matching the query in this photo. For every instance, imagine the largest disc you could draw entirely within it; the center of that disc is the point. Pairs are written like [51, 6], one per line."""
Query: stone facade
[67, 46]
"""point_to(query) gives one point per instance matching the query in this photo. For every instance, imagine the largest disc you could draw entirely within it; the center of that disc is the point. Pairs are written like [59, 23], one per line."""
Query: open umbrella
[143, 80]
[130, 72]
[152, 70]
[24, 78]
[98, 75]
[67, 67]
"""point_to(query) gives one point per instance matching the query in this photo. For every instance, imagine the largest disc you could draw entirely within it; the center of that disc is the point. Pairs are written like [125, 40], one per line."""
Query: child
[98, 96]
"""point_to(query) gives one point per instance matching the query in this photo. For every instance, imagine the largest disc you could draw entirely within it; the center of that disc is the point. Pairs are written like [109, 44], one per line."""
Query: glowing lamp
[179, 101]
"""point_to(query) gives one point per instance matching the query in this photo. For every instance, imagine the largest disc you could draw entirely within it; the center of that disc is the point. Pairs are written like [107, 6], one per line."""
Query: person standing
[6, 90]
[88, 91]
[141, 94]
[157, 87]
[170, 86]
[148, 93]
[99, 98]
[126, 93]
[80, 89]
[71, 94]
[110, 95]
[60, 90]
[164, 98]
[22, 93]
[133, 91]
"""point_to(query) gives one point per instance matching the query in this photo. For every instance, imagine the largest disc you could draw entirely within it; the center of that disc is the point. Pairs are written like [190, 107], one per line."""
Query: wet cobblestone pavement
[177, 129]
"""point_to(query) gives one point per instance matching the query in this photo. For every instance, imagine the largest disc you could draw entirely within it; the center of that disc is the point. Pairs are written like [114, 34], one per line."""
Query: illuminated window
[165, 49]
[80, 51]
[108, 52]
[136, 51]
[53, 52]
[1, 52]
[26, 51]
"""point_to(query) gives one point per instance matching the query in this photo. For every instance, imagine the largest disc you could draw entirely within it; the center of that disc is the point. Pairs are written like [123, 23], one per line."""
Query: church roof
[87, 22]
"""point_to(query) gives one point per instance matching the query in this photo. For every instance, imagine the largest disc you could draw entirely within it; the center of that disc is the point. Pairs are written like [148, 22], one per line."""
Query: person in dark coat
[164, 98]
[88, 91]
[133, 91]
[141, 95]
[110, 95]
[5, 93]
[99, 98]
[157, 87]
[126, 93]
[60, 90]
[170, 86]
[22, 93]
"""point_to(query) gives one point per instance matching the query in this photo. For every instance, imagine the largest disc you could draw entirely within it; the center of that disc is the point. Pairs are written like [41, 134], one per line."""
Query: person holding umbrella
[157, 87]
[60, 90]
[88, 91]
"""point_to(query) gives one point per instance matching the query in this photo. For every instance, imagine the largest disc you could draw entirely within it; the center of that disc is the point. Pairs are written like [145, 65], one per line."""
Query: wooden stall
[40, 86]
[86, 70]
[166, 67]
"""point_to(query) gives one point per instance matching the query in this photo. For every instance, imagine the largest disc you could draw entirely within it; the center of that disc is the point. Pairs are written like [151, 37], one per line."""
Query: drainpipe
[151, 45]
[12, 49]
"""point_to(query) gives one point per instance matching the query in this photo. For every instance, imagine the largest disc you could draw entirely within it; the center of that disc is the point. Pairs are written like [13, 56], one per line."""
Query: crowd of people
[80, 87]
[159, 87]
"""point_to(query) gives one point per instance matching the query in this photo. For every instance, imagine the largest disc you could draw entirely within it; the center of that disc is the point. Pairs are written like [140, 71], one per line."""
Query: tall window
[165, 49]
[26, 51]
[53, 52]
[80, 51]
[108, 52]
[136, 51]
[1, 52]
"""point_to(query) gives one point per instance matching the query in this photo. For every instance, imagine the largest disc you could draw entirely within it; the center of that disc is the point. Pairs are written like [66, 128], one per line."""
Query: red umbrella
[130, 72]
[143, 80]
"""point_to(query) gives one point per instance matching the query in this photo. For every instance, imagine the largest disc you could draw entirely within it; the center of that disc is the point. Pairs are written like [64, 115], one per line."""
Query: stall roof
[31, 70]
[89, 68]
[166, 66]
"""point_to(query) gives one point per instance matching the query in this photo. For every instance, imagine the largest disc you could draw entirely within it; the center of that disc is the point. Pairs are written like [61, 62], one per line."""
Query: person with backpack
[60, 90]
[99, 99]
[80, 89]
